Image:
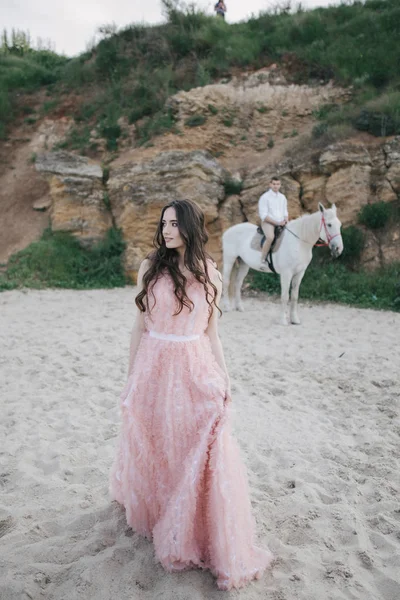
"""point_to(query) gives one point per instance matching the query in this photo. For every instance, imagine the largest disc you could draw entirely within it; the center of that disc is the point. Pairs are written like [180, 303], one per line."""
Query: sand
[315, 413]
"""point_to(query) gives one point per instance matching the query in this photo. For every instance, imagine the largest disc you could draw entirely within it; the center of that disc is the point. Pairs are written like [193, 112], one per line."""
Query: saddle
[259, 239]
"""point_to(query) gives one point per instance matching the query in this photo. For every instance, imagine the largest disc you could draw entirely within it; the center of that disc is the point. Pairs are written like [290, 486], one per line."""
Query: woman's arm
[212, 332]
[138, 327]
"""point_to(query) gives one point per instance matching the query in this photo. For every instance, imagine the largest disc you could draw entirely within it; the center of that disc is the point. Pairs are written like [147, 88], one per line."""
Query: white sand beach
[315, 413]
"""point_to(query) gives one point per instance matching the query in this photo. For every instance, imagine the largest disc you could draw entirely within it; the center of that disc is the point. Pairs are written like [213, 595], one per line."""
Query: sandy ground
[316, 415]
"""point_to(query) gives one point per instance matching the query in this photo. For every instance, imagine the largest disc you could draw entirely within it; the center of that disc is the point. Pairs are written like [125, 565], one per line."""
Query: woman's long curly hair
[166, 261]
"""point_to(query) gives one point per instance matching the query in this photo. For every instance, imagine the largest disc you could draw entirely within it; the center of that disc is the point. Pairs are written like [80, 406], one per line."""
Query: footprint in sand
[366, 560]
[6, 525]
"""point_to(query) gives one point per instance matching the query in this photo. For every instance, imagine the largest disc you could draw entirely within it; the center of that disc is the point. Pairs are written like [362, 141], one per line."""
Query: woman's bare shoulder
[144, 267]
[145, 264]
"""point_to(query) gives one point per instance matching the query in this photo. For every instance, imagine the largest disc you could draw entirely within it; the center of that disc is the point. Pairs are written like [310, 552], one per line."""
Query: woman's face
[170, 230]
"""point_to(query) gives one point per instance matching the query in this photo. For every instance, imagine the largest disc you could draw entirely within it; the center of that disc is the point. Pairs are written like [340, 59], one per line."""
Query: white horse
[290, 260]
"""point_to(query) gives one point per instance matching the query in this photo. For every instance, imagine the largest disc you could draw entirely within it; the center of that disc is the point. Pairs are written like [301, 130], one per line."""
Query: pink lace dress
[178, 471]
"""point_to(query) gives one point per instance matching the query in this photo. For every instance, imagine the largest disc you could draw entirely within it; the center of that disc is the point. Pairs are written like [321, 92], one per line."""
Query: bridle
[329, 237]
[319, 243]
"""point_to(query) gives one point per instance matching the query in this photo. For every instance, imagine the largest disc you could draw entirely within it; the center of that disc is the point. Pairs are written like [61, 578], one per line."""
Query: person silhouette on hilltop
[220, 8]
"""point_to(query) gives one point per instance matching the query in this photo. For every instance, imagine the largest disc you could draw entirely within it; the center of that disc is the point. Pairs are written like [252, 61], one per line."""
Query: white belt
[171, 337]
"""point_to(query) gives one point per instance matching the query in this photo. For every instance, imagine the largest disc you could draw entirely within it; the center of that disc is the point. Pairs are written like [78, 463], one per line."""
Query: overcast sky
[72, 24]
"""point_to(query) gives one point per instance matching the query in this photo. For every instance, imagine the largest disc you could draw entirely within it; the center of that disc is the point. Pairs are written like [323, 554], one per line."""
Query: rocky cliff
[244, 130]
[348, 174]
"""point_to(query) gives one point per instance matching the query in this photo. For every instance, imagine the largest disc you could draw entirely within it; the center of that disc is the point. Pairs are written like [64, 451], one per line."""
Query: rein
[321, 243]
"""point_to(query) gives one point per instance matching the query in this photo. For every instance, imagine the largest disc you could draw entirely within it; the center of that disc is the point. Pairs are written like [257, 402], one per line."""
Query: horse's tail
[230, 264]
[234, 273]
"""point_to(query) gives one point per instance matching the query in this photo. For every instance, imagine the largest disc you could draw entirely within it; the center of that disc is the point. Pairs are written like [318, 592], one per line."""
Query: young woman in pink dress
[178, 471]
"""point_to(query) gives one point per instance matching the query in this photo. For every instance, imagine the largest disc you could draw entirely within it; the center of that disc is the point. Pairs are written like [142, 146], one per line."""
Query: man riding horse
[272, 208]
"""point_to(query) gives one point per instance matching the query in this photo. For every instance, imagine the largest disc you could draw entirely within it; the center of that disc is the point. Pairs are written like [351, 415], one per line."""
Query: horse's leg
[286, 278]
[241, 274]
[229, 262]
[294, 295]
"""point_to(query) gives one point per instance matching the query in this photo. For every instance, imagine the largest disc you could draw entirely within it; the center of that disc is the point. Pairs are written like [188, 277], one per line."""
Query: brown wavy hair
[166, 261]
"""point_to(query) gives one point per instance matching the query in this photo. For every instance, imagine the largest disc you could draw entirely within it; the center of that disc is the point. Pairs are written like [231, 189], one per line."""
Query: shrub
[77, 139]
[375, 216]
[319, 130]
[49, 106]
[162, 122]
[353, 245]
[58, 260]
[232, 186]
[195, 120]
[227, 121]
[106, 174]
[147, 98]
[380, 115]
[111, 132]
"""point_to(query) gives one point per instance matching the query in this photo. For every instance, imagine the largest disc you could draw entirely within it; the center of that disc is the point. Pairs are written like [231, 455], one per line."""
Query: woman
[220, 8]
[178, 471]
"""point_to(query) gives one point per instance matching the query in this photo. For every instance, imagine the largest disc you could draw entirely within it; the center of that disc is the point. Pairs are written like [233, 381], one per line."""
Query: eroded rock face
[138, 192]
[65, 163]
[392, 161]
[344, 155]
[348, 175]
[263, 89]
[253, 111]
[313, 190]
[78, 195]
[349, 188]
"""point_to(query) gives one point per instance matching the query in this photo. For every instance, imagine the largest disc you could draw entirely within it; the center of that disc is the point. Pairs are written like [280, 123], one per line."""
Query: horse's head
[330, 230]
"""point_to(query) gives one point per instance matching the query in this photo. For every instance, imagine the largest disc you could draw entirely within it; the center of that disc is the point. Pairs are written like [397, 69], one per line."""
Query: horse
[290, 260]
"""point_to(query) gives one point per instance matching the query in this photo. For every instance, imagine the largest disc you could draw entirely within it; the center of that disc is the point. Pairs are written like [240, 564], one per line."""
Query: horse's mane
[304, 224]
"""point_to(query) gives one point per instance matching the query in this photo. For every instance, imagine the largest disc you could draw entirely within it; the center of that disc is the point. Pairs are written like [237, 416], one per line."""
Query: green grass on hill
[28, 73]
[134, 71]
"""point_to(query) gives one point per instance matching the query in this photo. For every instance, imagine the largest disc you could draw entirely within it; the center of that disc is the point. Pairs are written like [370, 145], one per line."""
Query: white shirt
[273, 205]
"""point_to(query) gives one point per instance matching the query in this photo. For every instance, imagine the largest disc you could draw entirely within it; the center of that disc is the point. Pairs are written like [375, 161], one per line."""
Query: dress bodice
[160, 316]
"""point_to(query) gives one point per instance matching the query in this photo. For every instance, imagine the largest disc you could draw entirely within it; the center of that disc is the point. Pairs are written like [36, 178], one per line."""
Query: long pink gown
[178, 471]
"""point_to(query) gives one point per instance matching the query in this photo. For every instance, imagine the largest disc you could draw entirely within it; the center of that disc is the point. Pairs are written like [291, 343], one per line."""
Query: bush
[380, 116]
[111, 132]
[227, 121]
[58, 260]
[77, 139]
[233, 186]
[353, 245]
[377, 124]
[319, 130]
[195, 120]
[24, 73]
[162, 122]
[375, 216]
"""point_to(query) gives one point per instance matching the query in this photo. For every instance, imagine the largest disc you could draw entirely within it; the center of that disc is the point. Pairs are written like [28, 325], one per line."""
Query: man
[272, 208]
